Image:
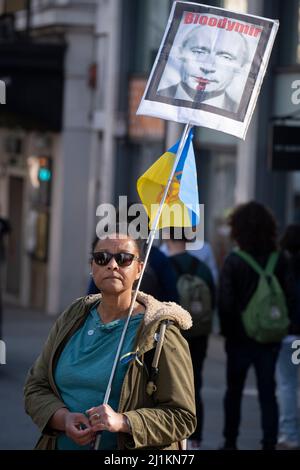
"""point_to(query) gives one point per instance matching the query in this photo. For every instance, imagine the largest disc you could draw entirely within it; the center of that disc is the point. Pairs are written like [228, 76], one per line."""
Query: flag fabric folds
[181, 207]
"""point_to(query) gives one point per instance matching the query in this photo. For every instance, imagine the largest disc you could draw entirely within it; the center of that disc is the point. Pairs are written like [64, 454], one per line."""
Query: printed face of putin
[210, 59]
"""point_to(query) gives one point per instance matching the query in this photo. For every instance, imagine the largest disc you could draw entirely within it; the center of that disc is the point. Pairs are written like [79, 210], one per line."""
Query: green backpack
[265, 318]
[195, 297]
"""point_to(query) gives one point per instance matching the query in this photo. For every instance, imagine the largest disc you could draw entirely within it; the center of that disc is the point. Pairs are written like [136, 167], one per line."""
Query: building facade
[47, 255]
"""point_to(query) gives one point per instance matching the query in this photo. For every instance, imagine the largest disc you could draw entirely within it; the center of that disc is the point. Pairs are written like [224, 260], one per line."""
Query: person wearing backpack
[196, 290]
[255, 298]
[287, 368]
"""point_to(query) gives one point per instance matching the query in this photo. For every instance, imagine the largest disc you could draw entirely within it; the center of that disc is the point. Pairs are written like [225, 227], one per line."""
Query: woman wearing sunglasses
[65, 388]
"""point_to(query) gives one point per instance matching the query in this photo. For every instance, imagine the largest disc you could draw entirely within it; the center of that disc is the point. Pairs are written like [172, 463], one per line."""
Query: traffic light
[45, 172]
[44, 177]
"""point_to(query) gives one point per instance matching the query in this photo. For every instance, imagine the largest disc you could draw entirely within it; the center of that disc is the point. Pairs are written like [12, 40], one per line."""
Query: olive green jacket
[157, 421]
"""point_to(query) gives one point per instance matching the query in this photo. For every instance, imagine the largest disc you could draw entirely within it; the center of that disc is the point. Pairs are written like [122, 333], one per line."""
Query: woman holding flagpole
[149, 407]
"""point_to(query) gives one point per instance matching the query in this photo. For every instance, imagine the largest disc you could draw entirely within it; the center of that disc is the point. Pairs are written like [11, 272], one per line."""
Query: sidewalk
[25, 331]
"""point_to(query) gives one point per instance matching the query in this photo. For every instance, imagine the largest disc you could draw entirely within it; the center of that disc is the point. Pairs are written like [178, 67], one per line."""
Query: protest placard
[209, 68]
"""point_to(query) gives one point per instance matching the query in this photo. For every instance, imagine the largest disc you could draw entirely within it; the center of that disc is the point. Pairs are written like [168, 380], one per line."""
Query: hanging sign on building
[209, 68]
[142, 127]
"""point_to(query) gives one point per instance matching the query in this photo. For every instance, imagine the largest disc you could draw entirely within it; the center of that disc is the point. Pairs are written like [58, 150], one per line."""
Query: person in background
[65, 388]
[253, 229]
[5, 230]
[204, 254]
[159, 279]
[186, 264]
[287, 371]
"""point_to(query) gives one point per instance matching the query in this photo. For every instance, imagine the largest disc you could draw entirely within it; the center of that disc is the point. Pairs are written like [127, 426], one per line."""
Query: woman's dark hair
[290, 240]
[254, 228]
[119, 229]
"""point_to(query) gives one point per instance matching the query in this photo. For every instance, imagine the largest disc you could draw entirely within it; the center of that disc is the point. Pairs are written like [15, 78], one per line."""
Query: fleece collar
[155, 310]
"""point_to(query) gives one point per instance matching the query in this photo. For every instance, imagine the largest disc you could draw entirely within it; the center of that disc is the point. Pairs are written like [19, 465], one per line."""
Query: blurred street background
[74, 74]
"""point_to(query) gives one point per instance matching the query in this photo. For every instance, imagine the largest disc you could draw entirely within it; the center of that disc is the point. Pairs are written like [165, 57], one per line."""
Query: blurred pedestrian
[196, 291]
[204, 254]
[253, 228]
[287, 371]
[65, 388]
[5, 229]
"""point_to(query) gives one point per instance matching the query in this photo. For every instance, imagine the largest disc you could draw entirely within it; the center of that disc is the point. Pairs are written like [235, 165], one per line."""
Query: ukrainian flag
[181, 208]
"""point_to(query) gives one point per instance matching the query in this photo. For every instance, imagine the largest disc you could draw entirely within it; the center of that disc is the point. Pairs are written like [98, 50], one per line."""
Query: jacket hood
[156, 310]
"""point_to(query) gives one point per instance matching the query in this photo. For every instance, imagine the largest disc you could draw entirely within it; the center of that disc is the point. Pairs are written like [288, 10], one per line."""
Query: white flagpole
[150, 240]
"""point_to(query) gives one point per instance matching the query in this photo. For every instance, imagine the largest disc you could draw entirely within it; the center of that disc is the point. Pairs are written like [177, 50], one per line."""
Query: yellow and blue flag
[181, 208]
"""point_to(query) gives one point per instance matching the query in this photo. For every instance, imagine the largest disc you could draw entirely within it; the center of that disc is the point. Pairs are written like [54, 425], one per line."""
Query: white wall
[68, 258]
[107, 55]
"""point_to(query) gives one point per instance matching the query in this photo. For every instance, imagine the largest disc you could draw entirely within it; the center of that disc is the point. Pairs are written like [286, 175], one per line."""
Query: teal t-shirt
[84, 366]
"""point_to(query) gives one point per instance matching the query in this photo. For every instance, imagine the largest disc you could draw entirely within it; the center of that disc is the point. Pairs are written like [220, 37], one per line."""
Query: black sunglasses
[102, 258]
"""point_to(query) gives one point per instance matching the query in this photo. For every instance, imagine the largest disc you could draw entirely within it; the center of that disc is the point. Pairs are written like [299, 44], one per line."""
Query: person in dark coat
[185, 263]
[5, 229]
[253, 228]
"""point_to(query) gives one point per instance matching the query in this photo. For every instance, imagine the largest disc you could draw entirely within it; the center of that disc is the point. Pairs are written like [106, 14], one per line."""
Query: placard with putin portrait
[209, 68]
